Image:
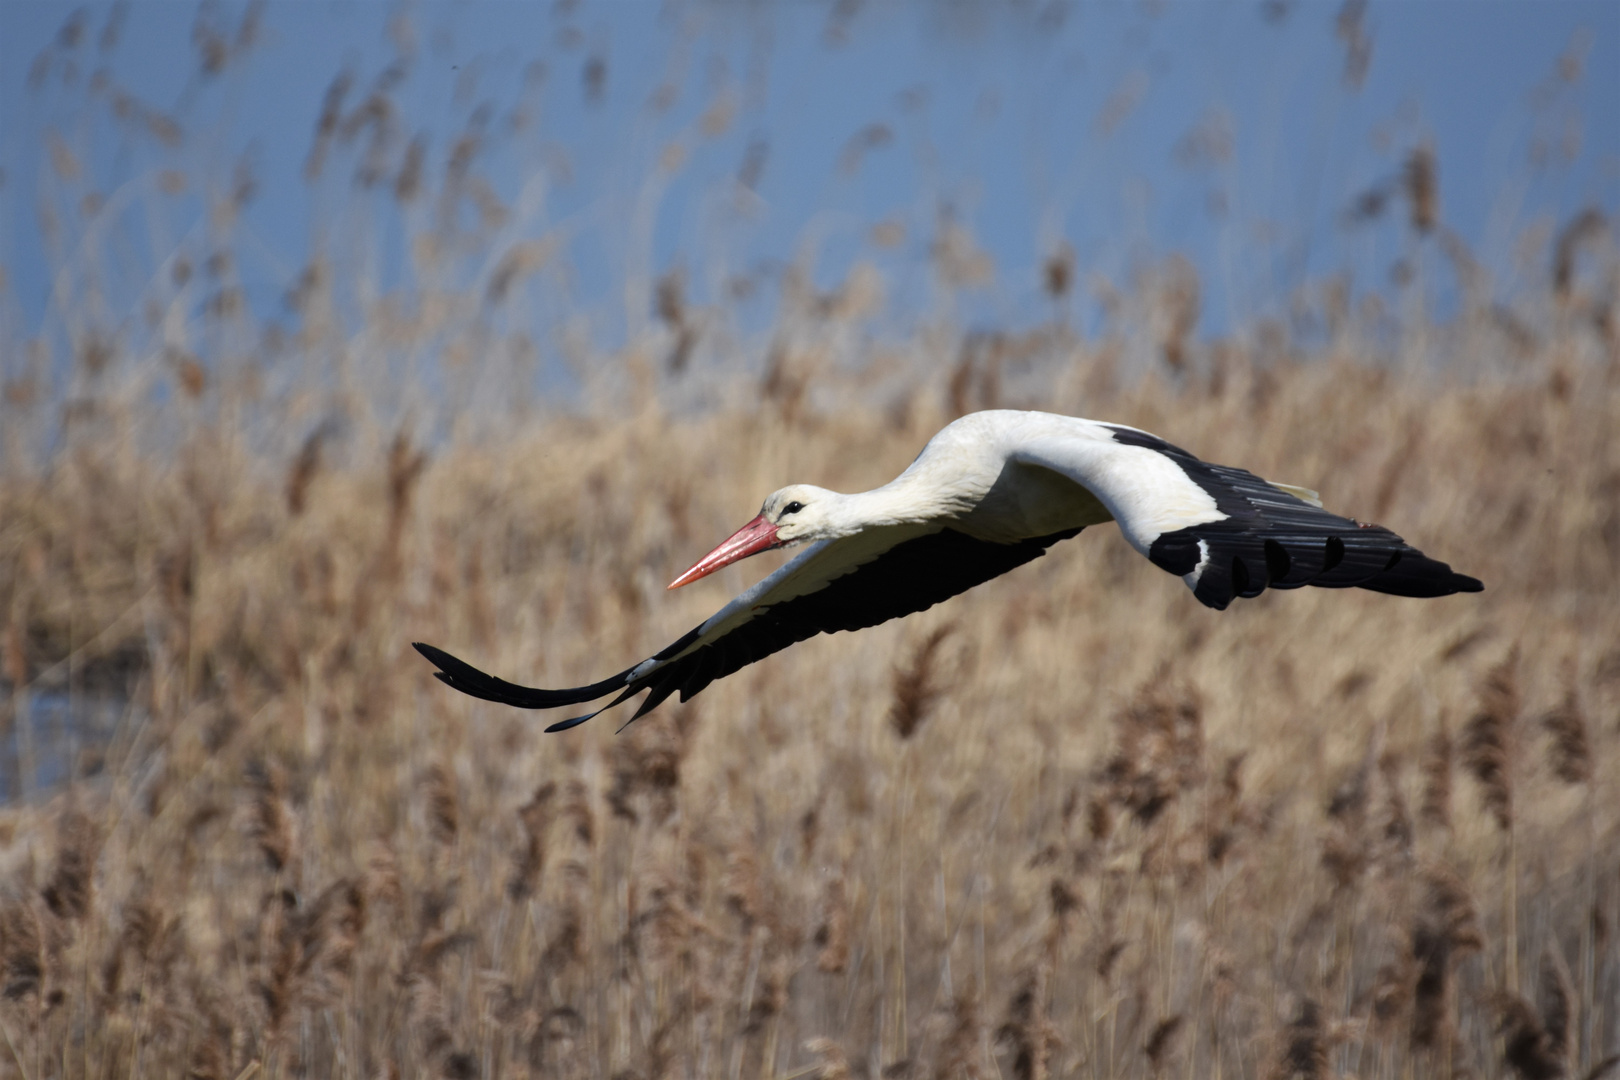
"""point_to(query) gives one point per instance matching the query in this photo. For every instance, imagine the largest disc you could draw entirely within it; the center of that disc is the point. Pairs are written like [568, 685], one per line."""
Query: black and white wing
[1226, 532]
[846, 584]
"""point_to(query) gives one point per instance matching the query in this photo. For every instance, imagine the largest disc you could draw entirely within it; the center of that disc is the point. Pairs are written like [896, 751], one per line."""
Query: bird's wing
[1226, 532]
[845, 584]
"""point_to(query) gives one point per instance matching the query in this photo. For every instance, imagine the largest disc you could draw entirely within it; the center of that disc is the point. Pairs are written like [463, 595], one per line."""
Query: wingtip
[573, 722]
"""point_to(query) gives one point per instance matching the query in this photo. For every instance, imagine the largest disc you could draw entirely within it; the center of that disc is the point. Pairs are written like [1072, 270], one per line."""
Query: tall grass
[1069, 824]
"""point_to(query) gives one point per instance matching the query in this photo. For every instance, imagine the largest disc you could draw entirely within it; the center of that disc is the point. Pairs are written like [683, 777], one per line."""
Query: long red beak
[756, 536]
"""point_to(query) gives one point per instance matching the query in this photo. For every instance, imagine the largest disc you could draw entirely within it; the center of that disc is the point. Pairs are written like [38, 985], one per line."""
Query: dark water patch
[65, 738]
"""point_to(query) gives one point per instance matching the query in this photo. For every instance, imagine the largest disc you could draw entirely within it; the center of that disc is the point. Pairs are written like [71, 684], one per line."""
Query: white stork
[990, 492]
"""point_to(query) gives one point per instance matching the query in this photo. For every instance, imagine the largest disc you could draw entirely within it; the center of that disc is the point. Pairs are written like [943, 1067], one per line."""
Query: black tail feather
[469, 680]
[564, 725]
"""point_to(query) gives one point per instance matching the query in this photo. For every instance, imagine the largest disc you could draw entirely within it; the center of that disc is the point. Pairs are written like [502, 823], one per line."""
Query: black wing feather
[1270, 539]
[469, 680]
[909, 577]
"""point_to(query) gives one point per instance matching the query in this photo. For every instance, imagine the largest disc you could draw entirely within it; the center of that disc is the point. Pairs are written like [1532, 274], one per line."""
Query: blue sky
[1225, 131]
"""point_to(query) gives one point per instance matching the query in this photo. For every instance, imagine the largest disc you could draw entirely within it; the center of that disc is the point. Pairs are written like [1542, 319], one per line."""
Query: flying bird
[990, 492]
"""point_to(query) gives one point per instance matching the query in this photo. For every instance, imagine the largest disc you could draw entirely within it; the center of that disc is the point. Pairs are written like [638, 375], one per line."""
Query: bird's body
[990, 492]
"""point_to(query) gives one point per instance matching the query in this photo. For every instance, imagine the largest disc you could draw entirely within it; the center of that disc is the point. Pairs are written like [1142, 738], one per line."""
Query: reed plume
[272, 821]
[1304, 1048]
[916, 687]
[1569, 749]
[1488, 747]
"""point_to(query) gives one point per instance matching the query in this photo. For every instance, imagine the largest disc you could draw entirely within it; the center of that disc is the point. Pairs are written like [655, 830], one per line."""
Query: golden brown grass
[1132, 838]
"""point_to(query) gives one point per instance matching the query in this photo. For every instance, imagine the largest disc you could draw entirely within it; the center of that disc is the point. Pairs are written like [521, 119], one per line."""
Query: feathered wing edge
[460, 675]
[1272, 538]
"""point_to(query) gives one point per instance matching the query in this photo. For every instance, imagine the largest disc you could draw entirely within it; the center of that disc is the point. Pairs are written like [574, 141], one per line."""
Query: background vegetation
[1070, 824]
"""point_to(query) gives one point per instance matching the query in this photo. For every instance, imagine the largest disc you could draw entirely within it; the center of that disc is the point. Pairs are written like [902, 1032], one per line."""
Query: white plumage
[990, 492]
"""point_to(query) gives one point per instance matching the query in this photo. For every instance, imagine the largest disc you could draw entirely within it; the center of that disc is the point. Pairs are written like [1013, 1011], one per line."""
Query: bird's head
[792, 515]
[799, 513]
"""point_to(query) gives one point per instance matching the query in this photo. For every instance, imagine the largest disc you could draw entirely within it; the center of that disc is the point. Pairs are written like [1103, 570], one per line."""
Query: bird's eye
[792, 508]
